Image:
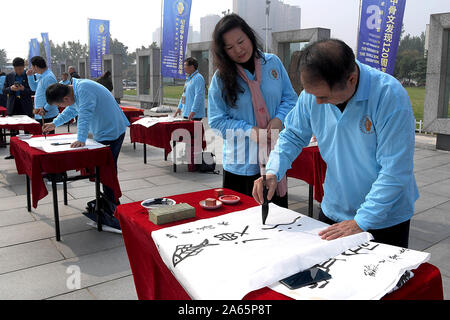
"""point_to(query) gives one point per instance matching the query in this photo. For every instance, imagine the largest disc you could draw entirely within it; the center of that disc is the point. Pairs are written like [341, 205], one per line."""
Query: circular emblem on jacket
[366, 125]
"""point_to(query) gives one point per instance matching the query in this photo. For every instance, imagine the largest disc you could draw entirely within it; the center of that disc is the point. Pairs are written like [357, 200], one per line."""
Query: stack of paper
[365, 272]
[151, 121]
[60, 143]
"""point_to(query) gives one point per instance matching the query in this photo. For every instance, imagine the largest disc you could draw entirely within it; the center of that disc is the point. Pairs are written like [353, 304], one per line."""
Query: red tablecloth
[132, 112]
[33, 128]
[310, 167]
[154, 281]
[3, 111]
[160, 136]
[34, 162]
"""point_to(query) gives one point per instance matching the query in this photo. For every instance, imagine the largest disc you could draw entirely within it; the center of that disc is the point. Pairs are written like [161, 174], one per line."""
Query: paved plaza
[34, 266]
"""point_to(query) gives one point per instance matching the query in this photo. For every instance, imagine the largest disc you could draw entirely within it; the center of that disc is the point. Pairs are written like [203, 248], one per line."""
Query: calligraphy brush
[42, 120]
[265, 205]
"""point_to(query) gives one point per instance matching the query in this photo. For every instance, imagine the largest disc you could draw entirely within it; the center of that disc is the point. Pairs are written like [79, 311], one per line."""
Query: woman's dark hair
[227, 70]
[192, 62]
[56, 92]
[330, 60]
[38, 62]
[18, 62]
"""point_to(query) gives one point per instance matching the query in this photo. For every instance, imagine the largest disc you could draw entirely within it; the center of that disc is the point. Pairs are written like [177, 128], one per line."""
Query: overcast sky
[133, 21]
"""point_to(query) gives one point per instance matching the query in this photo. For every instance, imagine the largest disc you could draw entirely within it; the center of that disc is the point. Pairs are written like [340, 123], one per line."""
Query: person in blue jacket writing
[249, 97]
[365, 129]
[192, 102]
[98, 113]
[40, 77]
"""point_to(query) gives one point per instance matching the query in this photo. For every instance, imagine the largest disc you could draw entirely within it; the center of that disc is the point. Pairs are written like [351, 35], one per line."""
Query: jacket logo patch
[366, 125]
[274, 74]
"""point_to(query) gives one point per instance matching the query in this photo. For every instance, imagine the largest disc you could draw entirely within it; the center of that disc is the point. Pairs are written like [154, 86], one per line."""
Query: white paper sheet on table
[228, 256]
[45, 144]
[20, 119]
[366, 272]
[151, 121]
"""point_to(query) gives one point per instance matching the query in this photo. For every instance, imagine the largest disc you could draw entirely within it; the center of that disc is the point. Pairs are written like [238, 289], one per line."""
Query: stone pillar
[148, 74]
[436, 110]
[113, 63]
[280, 39]
[281, 45]
[203, 53]
[83, 68]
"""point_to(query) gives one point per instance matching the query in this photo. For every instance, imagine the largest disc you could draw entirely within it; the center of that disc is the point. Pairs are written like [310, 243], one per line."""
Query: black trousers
[244, 184]
[115, 146]
[397, 235]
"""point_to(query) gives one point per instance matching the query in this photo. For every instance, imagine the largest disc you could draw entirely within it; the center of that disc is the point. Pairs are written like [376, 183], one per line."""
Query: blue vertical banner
[380, 29]
[174, 40]
[48, 54]
[34, 50]
[98, 45]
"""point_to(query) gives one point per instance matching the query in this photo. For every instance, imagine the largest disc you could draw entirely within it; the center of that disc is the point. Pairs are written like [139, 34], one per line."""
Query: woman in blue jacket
[246, 80]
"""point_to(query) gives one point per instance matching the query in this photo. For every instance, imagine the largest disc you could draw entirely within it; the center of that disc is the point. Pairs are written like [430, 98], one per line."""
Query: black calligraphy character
[170, 236]
[364, 246]
[226, 236]
[188, 250]
[370, 270]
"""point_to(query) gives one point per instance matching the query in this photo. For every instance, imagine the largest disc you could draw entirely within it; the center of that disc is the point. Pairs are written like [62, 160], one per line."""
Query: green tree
[410, 62]
[3, 57]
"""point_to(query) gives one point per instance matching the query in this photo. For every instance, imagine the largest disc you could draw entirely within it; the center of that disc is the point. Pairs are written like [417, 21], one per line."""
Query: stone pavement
[34, 266]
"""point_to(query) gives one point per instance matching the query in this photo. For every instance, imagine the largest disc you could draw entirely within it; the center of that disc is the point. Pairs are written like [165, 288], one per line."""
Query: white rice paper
[228, 256]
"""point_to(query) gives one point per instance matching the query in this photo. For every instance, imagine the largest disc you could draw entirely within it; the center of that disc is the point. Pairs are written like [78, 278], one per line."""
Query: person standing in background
[46, 78]
[192, 102]
[2, 83]
[65, 78]
[73, 73]
[18, 93]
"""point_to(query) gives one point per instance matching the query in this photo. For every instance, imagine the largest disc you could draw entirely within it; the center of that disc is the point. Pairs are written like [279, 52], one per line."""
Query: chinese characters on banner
[175, 35]
[379, 33]
[98, 45]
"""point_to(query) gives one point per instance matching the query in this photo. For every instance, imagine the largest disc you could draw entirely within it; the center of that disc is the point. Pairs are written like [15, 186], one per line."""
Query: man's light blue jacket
[194, 95]
[97, 110]
[39, 86]
[368, 149]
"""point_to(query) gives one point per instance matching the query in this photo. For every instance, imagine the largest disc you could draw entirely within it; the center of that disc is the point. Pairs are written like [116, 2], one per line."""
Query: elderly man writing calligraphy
[365, 129]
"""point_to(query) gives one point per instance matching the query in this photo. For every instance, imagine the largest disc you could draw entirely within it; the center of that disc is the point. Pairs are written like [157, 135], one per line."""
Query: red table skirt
[160, 135]
[154, 281]
[34, 163]
[310, 167]
[3, 111]
[33, 128]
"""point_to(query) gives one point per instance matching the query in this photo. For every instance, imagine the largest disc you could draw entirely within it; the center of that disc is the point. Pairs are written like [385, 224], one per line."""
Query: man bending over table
[97, 111]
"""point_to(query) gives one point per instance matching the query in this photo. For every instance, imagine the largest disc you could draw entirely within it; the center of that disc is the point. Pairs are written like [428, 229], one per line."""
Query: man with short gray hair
[365, 129]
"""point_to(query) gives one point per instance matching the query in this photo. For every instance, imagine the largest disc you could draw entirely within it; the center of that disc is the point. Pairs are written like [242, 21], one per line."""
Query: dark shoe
[9, 157]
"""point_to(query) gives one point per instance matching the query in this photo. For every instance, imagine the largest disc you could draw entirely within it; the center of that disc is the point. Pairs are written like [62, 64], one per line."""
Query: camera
[17, 84]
